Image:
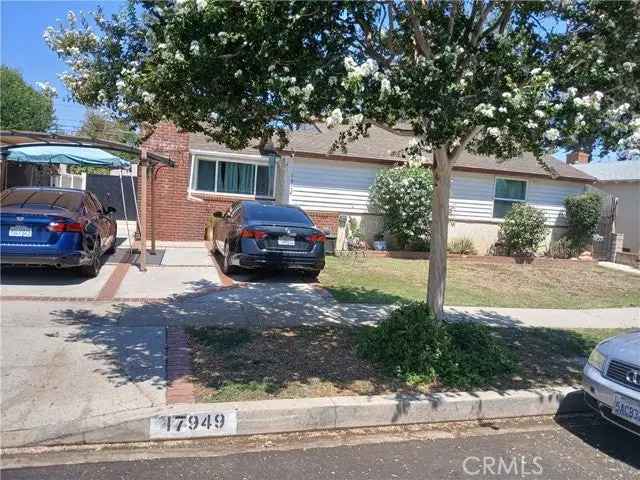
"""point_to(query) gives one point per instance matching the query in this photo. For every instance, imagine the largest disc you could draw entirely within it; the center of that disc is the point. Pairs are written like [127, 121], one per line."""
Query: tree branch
[455, 153]
[481, 21]
[421, 42]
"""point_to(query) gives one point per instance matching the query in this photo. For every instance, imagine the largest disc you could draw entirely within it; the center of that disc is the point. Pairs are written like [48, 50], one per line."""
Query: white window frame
[495, 187]
[257, 160]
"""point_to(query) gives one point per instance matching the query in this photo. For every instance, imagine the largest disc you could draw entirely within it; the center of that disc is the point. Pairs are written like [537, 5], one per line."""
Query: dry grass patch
[484, 282]
[239, 364]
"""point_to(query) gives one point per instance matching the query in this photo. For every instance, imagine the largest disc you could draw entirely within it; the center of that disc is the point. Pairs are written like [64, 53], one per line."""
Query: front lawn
[239, 364]
[483, 282]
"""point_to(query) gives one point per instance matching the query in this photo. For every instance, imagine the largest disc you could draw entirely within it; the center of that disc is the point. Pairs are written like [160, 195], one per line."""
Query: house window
[507, 193]
[238, 178]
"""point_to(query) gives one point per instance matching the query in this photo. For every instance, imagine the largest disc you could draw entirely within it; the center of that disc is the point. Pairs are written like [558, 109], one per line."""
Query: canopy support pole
[4, 169]
[153, 209]
[142, 178]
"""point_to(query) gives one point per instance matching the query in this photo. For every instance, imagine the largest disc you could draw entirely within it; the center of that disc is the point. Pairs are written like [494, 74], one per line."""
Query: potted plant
[378, 242]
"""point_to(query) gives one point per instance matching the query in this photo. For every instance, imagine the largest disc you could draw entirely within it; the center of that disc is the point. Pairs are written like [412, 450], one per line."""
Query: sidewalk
[549, 318]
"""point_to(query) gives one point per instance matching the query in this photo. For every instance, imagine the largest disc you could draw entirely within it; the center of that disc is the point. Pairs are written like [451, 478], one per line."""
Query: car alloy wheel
[227, 268]
[93, 268]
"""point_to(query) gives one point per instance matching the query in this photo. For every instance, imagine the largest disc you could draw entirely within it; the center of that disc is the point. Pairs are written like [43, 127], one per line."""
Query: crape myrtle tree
[489, 77]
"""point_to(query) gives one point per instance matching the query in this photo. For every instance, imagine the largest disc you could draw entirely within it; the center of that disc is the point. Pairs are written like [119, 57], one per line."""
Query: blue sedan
[58, 227]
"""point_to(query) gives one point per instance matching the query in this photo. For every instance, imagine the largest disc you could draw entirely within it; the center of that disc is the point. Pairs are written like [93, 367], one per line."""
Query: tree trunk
[439, 232]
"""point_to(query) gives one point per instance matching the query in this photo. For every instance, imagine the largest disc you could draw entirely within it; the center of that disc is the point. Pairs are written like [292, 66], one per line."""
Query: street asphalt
[552, 450]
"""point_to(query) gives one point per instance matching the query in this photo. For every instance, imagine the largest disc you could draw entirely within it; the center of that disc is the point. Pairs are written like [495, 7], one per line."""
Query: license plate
[286, 241]
[627, 408]
[194, 425]
[20, 231]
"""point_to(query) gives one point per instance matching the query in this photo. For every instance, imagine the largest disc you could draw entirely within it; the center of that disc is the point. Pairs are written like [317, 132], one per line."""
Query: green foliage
[21, 106]
[403, 196]
[101, 127]
[242, 70]
[462, 246]
[416, 347]
[583, 214]
[523, 229]
[562, 248]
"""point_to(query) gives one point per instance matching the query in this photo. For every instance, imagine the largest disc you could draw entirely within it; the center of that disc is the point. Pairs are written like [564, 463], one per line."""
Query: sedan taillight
[257, 234]
[59, 227]
[316, 238]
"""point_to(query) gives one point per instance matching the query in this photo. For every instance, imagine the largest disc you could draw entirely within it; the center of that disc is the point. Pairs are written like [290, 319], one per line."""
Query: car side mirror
[110, 210]
[218, 214]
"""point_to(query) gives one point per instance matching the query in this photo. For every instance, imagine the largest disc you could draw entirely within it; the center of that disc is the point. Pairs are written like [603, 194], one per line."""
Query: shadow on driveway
[612, 441]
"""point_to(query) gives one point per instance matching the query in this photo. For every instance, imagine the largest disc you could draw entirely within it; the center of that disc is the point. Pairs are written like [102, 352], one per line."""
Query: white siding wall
[472, 196]
[339, 186]
[549, 197]
[334, 186]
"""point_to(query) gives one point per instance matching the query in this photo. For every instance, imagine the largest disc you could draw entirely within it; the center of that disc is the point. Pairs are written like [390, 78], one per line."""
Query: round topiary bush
[523, 230]
[419, 349]
[403, 196]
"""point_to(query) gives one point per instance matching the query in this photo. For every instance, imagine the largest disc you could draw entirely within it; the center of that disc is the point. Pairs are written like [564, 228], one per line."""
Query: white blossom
[238, 73]
[47, 89]
[385, 86]
[552, 134]
[485, 109]
[493, 131]
[307, 90]
[629, 66]
[335, 118]
[194, 48]
[179, 56]
[148, 97]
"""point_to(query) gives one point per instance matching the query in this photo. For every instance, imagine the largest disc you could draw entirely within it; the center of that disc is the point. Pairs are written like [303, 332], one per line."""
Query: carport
[17, 146]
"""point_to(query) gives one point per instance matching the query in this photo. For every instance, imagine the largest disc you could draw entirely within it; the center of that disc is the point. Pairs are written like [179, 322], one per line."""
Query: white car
[611, 380]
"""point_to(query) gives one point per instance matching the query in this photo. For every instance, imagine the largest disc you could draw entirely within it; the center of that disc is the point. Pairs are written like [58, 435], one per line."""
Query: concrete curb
[280, 416]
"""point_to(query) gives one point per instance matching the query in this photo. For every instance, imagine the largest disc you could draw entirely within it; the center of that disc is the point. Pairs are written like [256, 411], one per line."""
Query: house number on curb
[193, 425]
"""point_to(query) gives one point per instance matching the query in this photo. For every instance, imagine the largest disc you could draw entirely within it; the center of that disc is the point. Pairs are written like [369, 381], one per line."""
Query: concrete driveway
[64, 378]
[173, 271]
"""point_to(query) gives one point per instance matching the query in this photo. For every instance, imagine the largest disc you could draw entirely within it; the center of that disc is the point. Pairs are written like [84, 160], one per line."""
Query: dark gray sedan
[262, 234]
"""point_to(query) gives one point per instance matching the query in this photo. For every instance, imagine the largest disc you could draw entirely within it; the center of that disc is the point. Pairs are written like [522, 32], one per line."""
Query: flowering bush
[403, 196]
[523, 230]
[583, 214]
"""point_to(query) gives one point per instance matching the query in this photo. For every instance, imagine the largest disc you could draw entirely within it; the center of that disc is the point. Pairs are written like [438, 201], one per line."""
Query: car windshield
[275, 213]
[42, 199]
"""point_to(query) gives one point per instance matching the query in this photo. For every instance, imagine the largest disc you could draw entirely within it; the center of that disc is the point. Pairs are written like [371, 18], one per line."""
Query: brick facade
[325, 220]
[183, 217]
[178, 217]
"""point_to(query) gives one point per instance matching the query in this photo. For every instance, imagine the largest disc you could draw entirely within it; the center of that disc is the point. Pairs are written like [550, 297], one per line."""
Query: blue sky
[22, 47]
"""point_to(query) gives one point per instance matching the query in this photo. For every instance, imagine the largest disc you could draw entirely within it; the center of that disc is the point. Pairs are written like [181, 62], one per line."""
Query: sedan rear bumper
[276, 260]
[64, 261]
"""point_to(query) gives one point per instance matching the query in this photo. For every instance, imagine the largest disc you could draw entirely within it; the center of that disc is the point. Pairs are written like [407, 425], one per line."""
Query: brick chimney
[578, 156]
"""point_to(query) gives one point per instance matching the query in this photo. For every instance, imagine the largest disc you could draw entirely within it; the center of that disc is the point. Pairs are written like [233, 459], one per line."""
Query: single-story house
[621, 180]
[328, 186]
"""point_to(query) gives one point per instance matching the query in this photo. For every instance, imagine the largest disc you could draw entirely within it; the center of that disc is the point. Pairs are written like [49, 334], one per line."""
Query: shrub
[583, 214]
[462, 246]
[403, 196]
[523, 230]
[416, 347]
[562, 248]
